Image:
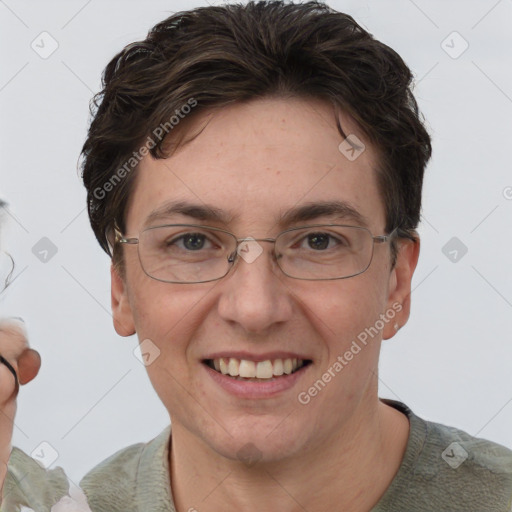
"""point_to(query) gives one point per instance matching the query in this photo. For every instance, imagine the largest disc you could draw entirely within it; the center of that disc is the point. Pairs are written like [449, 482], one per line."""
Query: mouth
[257, 371]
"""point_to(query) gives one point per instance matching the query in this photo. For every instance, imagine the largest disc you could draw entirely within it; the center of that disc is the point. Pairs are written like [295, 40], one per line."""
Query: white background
[450, 364]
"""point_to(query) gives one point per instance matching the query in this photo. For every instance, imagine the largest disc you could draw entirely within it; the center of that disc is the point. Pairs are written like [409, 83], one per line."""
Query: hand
[25, 362]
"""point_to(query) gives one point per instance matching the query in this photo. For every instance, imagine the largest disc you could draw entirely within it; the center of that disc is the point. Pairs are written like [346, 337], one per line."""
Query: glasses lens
[324, 252]
[185, 253]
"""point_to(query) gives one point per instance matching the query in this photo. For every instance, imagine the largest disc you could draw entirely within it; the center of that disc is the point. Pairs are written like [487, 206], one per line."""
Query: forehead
[254, 162]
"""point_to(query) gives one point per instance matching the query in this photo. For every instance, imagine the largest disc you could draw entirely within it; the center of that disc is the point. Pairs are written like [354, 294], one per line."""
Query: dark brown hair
[212, 56]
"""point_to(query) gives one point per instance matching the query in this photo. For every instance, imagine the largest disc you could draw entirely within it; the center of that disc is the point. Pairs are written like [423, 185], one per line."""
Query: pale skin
[255, 162]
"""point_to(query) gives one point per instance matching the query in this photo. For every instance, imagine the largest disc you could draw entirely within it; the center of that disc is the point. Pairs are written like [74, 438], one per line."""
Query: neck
[350, 471]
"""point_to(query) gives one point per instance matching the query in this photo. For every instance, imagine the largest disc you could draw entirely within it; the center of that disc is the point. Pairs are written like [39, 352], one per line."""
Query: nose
[254, 294]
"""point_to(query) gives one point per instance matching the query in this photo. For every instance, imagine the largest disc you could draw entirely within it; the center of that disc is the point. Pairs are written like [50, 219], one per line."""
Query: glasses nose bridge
[252, 239]
[239, 241]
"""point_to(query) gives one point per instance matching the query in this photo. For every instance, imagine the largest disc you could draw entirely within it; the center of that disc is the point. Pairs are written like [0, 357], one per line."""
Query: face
[254, 163]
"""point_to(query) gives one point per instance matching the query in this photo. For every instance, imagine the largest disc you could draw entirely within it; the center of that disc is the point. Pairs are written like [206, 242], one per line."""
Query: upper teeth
[261, 370]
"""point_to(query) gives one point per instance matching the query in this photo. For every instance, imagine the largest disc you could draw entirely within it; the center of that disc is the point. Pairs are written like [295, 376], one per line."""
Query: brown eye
[318, 241]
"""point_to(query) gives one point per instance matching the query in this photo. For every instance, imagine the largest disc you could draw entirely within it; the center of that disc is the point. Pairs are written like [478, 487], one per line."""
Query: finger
[9, 367]
[14, 348]
[9, 386]
[29, 364]
[13, 372]
[13, 339]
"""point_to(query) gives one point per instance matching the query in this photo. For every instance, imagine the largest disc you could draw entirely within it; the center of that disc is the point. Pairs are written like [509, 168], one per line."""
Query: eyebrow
[202, 212]
[339, 210]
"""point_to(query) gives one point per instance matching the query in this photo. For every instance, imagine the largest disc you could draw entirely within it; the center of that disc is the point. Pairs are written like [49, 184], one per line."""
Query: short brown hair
[214, 56]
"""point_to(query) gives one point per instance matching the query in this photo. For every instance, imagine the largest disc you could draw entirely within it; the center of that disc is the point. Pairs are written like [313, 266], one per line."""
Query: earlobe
[121, 309]
[399, 299]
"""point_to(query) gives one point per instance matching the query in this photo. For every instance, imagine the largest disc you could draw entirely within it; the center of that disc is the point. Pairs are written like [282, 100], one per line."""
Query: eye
[191, 241]
[320, 241]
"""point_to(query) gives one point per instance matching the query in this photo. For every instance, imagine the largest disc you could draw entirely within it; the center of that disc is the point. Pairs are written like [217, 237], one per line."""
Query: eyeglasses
[189, 253]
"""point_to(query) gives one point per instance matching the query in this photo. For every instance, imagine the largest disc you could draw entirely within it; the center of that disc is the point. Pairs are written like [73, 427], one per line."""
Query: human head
[246, 134]
[153, 88]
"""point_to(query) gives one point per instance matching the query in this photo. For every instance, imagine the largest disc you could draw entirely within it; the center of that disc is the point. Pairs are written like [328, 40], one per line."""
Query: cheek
[164, 321]
[163, 314]
[344, 315]
[167, 316]
[342, 309]
[156, 306]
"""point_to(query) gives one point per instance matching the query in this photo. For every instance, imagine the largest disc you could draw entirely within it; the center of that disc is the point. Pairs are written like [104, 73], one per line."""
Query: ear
[399, 298]
[121, 309]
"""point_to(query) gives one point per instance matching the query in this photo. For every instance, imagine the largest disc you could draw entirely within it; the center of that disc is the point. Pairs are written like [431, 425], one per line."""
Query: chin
[258, 442]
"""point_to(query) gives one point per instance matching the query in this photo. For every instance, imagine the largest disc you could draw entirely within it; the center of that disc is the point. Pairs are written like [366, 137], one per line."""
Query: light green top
[443, 469]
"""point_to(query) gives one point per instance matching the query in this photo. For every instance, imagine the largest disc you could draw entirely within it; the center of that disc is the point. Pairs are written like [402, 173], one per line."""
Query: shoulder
[461, 452]
[445, 468]
[475, 472]
[116, 483]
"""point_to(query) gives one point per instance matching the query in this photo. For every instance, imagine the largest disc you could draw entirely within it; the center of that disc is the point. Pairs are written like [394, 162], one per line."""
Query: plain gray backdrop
[451, 363]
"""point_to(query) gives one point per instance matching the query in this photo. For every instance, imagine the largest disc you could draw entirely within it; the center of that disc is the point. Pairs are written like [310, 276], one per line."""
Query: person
[255, 172]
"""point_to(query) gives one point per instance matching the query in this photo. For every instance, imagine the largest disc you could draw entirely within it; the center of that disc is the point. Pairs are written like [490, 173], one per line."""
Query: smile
[243, 369]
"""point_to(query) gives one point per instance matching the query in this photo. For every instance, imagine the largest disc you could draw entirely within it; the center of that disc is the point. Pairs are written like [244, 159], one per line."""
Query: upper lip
[250, 356]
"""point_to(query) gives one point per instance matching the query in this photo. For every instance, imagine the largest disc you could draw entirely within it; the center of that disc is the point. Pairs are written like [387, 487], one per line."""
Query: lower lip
[256, 389]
